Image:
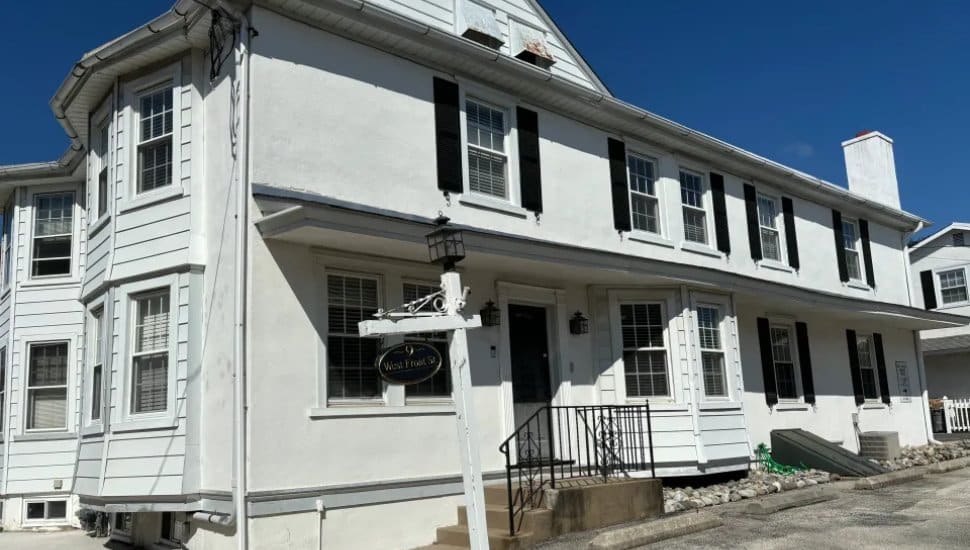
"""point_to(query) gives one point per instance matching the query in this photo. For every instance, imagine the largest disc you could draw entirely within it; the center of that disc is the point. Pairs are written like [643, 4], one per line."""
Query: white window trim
[4, 397]
[392, 274]
[938, 286]
[125, 419]
[874, 367]
[661, 236]
[729, 347]
[781, 262]
[788, 325]
[670, 312]
[78, 215]
[706, 208]
[70, 405]
[53, 521]
[507, 104]
[130, 198]
[92, 426]
[100, 118]
[6, 245]
[860, 280]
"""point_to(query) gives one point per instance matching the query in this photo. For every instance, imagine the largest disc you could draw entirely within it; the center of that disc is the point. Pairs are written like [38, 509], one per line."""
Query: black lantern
[578, 324]
[491, 316]
[445, 245]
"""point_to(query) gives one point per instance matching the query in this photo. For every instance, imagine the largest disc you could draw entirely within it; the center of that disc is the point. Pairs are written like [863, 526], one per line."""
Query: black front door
[529, 348]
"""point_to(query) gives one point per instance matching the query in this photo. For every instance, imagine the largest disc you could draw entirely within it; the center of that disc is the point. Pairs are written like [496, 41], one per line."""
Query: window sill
[777, 266]
[953, 305]
[699, 248]
[660, 406]
[145, 424]
[495, 205]
[98, 225]
[719, 405]
[151, 197]
[858, 285]
[53, 281]
[380, 411]
[791, 407]
[874, 405]
[92, 430]
[650, 238]
[44, 436]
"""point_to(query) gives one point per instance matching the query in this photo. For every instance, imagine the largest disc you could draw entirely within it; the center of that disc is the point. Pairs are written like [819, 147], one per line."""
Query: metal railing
[573, 442]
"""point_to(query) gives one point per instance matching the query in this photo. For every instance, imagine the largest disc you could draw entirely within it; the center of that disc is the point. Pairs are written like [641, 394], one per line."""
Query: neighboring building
[941, 266]
[221, 354]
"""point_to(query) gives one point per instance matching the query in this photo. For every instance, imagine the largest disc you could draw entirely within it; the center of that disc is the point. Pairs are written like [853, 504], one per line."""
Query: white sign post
[451, 320]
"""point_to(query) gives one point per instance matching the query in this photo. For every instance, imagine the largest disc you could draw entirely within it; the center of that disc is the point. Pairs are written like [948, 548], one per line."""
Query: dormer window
[529, 45]
[478, 23]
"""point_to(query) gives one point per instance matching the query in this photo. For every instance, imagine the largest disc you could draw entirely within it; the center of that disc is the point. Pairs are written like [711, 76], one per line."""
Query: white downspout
[917, 342]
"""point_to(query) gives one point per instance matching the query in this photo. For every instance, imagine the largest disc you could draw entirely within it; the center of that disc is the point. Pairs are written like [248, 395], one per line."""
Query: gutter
[35, 170]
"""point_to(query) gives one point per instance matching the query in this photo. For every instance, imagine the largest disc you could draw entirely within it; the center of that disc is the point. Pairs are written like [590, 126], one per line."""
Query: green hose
[769, 465]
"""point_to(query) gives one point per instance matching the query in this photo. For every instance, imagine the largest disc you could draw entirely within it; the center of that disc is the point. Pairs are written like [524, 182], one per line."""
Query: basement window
[46, 510]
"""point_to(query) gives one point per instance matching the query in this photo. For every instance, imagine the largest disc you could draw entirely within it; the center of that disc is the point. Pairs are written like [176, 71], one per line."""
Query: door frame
[554, 301]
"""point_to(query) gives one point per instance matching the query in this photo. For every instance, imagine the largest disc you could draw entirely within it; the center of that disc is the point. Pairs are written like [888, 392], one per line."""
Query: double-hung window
[150, 352]
[47, 386]
[867, 367]
[692, 198]
[488, 159]
[53, 231]
[351, 373]
[154, 139]
[850, 241]
[96, 339]
[438, 385]
[644, 350]
[644, 205]
[103, 137]
[768, 221]
[953, 286]
[711, 351]
[784, 359]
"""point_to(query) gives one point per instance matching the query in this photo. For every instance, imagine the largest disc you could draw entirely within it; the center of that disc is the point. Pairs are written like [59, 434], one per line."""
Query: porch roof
[322, 221]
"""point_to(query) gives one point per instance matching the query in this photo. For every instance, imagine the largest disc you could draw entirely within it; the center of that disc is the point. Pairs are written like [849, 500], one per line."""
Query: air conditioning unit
[879, 445]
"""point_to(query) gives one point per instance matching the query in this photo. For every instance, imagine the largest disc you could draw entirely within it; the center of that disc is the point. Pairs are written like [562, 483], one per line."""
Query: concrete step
[496, 517]
[497, 495]
[498, 539]
[437, 546]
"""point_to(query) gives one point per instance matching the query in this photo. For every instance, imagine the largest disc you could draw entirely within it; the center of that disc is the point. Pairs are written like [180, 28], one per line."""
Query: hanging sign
[408, 363]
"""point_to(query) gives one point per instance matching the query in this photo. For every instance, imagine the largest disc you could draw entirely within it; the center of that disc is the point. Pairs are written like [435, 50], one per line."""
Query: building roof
[955, 226]
[960, 342]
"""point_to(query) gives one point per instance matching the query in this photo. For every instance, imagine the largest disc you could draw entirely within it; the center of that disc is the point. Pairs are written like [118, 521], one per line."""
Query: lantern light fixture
[445, 244]
[491, 315]
[578, 324]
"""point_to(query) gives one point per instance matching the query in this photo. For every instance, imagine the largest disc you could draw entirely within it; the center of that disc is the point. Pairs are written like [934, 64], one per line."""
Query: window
[959, 239]
[149, 389]
[487, 156]
[867, 367]
[644, 350]
[768, 220]
[438, 385]
[692, 198]
[96, 339]
[53, 228]
[712, 352]
[47, 386]
[953, 286]
[644, 206]
[155, 140]
[3, 388]
[7, 237]
[784, 359]
[40, 510]
[850, 237]
[351, 373]
[101, 153]
[123, 522]
[171, 530]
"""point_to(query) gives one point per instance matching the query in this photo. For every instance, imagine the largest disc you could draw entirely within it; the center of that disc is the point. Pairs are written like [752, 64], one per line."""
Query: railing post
[508, 487]
[653, 469]
[947, 414]
[552, 467]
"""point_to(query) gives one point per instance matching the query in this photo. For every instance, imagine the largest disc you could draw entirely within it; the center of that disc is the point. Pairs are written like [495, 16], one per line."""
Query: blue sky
[787, 80]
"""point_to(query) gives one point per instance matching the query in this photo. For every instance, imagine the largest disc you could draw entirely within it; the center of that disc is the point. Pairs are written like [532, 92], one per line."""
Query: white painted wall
[948, 375]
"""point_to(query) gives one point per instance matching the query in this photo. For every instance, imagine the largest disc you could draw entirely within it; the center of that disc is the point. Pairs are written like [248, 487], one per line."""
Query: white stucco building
[250, 196]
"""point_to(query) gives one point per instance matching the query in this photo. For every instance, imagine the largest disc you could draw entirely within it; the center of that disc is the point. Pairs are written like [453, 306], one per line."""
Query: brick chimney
[871, 167]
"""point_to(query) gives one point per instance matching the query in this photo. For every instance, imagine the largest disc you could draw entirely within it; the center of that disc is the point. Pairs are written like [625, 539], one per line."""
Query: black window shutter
[881, 367]
[791, 239]
[530, 174]
[840, 246]
[754, 229]
[805, 362]
[618, 185]
[867, 252]
[447, 127]
[720, 214]
[929, 289]
[767, 361]
[854, 366]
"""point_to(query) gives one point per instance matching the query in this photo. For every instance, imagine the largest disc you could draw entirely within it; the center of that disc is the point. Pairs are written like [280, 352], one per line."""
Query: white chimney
[871, 168]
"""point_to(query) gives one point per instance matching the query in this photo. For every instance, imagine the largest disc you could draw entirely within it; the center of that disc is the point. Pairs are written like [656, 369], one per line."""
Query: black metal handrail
[571, 442]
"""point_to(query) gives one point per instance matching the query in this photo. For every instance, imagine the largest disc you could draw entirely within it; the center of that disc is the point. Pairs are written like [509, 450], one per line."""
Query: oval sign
[408, 363]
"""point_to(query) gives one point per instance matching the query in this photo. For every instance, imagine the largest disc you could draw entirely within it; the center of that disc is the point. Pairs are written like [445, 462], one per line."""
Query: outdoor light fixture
[491, 316]
[445, 245]
[578, 324]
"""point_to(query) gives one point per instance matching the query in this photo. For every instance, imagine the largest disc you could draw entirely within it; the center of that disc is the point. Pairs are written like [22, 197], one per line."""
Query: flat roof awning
[321, 221]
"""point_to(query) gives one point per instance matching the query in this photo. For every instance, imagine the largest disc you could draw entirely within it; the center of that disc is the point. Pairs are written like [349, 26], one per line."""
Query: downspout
[918, 343]
[239, 513]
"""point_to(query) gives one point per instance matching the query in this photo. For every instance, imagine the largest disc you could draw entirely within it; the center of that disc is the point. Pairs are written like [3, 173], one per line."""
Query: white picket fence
[957, 415]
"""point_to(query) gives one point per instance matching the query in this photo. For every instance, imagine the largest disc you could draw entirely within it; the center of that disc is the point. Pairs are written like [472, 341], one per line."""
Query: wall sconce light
[578, 324]
[491, 315]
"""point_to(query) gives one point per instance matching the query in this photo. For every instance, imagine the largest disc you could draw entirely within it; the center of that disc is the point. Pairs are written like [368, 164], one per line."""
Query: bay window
[96, 341]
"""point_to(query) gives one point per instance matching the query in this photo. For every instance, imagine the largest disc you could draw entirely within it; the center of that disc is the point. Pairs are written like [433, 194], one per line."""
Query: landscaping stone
[757, 483]
[912, 457]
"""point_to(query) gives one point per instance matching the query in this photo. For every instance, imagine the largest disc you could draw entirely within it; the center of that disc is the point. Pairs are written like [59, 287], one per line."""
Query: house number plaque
[408, 363]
